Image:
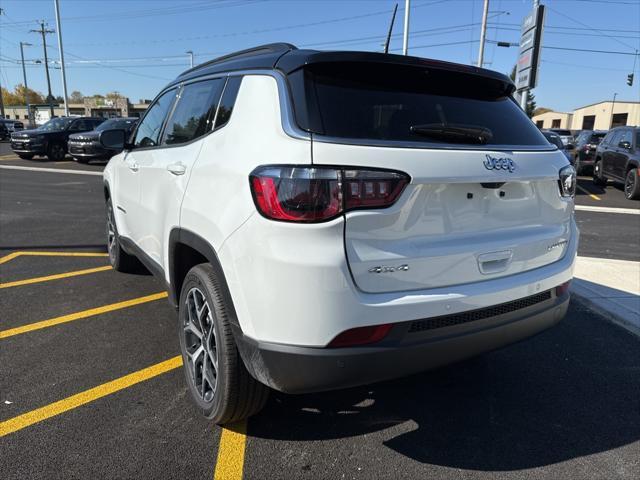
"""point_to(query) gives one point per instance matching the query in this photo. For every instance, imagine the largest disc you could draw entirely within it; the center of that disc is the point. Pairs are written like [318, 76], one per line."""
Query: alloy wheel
[200, 342]
[629, 184]
[111, 235]
[57, 152]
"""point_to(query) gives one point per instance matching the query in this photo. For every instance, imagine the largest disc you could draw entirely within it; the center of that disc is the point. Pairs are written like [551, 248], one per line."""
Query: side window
[97, 122]
[194, 111]
[625, 140]
[614, 137]
[148, 133]
[80, 125]
[228, 101]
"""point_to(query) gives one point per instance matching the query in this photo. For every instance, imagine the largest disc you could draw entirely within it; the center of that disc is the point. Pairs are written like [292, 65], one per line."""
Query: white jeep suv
[331, 219]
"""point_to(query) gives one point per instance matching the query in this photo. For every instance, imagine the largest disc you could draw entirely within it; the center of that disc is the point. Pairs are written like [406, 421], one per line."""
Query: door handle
[177, 168]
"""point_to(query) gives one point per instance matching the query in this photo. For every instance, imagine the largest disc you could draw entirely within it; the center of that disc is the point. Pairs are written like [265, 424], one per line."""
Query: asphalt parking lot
[91, 385]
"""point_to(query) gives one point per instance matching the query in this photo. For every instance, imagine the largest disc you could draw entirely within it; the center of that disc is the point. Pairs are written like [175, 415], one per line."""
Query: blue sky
[137, 46]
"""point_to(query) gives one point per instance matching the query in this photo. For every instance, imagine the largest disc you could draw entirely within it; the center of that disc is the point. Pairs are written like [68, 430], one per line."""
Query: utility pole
[1, 100]
[405, 40]
[612, 107]
[190, 53]
[24, 77]
[43, 31]
[64, 75]
[483, 32]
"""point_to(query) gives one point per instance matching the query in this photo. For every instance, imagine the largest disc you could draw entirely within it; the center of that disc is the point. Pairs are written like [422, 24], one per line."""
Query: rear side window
[370, 101]
[194, 111]
[148, 132]
[228, 101]
[596, 138]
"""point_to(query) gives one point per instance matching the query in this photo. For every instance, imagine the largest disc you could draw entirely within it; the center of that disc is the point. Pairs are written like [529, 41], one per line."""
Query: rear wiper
[454, 132]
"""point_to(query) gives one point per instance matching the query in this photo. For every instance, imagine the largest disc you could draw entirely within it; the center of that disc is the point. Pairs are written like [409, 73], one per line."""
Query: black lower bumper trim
[293, 369]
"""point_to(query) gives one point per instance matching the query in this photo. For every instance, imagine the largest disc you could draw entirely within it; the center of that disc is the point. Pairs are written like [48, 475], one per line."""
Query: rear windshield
[565, 133]
[596, 138]
[369, 101]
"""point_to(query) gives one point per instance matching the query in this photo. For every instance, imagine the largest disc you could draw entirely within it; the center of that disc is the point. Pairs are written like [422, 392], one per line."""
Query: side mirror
[113, 139]
[625, 145]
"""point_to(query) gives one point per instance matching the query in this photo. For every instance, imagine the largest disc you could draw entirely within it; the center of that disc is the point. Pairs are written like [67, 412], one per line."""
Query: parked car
[584, 153]
[330, 219]
[554, 139]
[86, 146]
[565, 135]
[9, 126]
[618, 159]
[50, 139]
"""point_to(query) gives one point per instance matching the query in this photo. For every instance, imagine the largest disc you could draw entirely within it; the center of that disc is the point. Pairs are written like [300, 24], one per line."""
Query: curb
[605, 307]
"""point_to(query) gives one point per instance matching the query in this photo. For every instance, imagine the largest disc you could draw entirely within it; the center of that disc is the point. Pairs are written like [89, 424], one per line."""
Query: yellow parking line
[230, 463]
[584, 190]
[57, 276]
[74, 401]
[13, 255]
[80, 315]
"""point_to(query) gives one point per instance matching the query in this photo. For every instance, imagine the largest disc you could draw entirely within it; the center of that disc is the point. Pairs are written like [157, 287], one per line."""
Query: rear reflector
[316, 194]
[361, 336]
[562, 289]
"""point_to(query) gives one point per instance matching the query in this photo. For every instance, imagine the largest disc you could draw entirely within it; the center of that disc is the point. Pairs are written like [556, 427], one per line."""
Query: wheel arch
[187, 249]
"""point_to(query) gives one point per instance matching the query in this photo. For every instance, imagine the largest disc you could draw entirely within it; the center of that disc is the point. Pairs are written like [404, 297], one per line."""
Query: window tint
[614, 138]
[228, 101]
[148, 132]
[382, 102]
[194, 111]
[625, 139]
[596, 138]
[82, 125]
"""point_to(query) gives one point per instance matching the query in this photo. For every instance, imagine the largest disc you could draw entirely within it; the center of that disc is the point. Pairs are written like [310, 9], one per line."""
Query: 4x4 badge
[505, 163]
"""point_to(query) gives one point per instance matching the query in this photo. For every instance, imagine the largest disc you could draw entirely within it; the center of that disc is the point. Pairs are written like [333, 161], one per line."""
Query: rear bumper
[405, 350]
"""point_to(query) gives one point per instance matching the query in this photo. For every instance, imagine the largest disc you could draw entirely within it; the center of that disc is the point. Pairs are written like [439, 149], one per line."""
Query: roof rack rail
[267, 48]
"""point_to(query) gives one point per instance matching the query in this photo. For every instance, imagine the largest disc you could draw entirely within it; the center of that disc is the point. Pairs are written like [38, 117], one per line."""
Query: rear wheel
[216, 377]
[56, 152]
[25, 156]
[598, 178]
[632, 185]
[120, 260]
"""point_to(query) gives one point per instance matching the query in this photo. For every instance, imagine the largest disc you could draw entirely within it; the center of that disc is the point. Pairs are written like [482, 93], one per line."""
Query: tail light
[360, 336]
[316, 194]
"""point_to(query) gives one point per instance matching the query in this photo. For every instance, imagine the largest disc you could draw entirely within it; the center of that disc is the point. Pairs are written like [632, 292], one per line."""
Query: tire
[120, 260]
[56, 152]
[598, 178]
[203, 312]
[632, 185]
[26, 156]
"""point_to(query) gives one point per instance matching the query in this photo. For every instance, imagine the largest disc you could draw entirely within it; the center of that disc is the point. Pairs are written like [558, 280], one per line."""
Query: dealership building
[91, 107]
[597, 116]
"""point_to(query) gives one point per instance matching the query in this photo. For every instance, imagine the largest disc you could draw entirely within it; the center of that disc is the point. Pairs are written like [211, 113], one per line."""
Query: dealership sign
[529, 51]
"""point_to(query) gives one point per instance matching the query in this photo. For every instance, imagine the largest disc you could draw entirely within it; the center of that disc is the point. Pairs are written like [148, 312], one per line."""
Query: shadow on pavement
[570, 392]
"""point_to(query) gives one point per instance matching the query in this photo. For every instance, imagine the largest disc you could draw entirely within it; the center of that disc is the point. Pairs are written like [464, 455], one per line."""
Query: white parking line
[50, 170]
[588, 208]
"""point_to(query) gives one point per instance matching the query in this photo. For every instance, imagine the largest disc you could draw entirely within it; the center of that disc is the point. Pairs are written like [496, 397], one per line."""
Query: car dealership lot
[565, 404]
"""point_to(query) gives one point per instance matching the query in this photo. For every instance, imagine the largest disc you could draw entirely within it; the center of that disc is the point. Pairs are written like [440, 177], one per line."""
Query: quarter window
[148, 132]
[228, 101]
[194, 111]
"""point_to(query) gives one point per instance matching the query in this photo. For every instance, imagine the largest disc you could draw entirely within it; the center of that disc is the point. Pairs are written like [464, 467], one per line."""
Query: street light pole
[612, 107]
[24, 77]
[483, 32]
[405, 40]
[190, 53]
[64, 75]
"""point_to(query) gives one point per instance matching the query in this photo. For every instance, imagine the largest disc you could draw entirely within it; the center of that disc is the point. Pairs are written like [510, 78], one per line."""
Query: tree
[76, 97]
[17, 97]
[113, 95]
[530, 106]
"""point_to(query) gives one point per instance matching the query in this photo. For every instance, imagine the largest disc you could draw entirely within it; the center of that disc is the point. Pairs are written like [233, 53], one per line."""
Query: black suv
[618, 159]
[50, 139]
[584, 153]
[86, 146]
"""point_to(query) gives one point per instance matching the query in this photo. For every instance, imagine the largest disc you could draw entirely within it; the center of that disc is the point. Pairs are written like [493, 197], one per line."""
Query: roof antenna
[393, 19]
